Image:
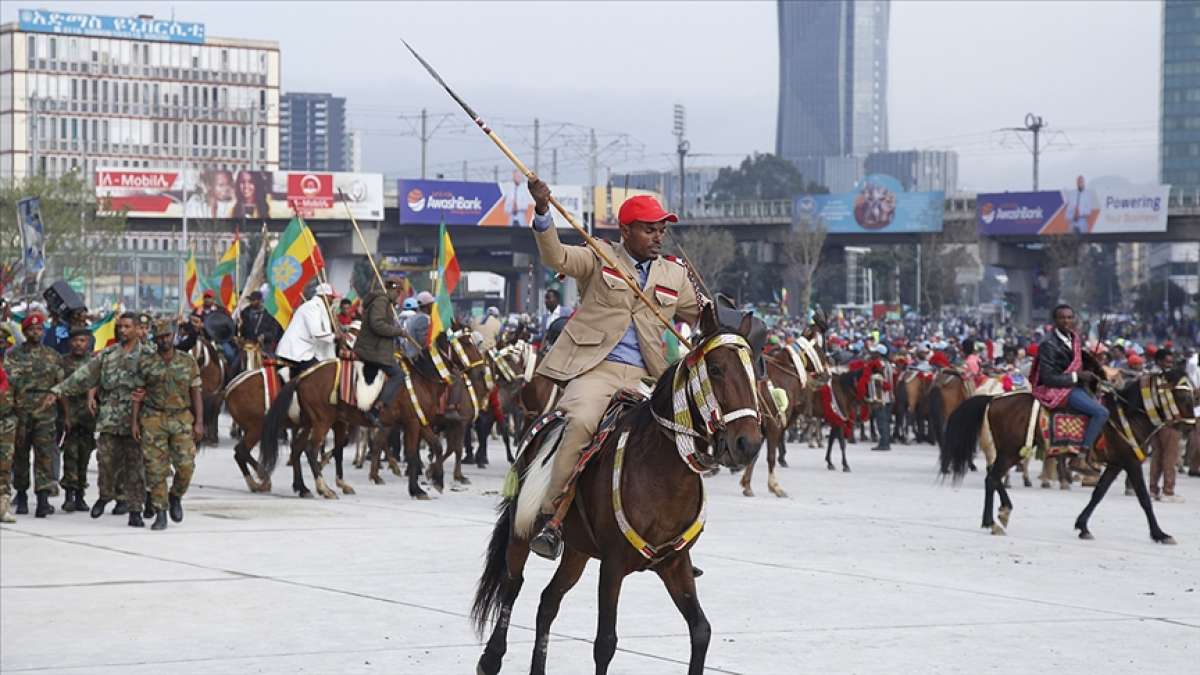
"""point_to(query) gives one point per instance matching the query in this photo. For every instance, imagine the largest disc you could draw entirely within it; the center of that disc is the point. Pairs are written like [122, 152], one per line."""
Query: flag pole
[334, 326]
[366, 249]
[530, 175]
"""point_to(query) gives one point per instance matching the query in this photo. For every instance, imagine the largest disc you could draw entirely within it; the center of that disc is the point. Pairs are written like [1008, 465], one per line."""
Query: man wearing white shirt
[310, 338]
[1080, 207]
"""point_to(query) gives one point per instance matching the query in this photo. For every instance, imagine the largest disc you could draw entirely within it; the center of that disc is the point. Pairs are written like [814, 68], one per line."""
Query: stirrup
[548, 542]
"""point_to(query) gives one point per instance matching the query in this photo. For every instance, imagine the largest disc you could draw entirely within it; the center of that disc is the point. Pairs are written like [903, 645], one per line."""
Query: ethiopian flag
[448, 275]
[104, 331]
[191, 280]
[223, 278]
[294, 262]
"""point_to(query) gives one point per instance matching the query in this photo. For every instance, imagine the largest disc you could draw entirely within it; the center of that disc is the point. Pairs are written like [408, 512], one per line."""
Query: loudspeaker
[61, 299]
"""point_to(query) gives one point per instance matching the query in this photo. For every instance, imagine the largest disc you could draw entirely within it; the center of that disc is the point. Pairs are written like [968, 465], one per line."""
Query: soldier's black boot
[121, 508]
[21, 503]
[68, 504]
[160, 521]
[148, 509]
[98, 507]
[80, 505]
[547, 543]
[43, 504]
[135, 519]
[175, 506]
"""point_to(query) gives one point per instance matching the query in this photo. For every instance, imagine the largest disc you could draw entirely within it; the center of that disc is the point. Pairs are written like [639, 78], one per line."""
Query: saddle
[1063, 431]
[356, 384]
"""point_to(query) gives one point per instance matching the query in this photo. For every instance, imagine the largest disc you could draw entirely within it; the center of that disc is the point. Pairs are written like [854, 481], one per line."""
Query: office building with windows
[832, 79]
[918, 170]
[312, 133]
[78, 91]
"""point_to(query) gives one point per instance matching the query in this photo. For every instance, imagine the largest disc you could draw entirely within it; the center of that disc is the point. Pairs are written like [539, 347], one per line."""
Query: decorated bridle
[459, 354]
[692, 386]
[1158, 402]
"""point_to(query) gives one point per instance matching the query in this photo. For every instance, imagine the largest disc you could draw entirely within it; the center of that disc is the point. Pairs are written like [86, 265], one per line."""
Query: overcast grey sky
[958, 71]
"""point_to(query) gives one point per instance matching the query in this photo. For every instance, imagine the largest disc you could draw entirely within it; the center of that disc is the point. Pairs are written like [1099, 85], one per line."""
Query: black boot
[547, 543]
[160, 521]
[21, 504]
[121, 508]
[372, 416]
[135, 519]
[80, 505]
[98, 507]
[148, 509]
[68, 504]
[176, 508]
[43, 504]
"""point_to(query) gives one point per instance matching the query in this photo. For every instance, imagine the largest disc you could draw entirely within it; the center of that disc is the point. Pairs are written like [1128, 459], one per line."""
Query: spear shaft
[530, 175]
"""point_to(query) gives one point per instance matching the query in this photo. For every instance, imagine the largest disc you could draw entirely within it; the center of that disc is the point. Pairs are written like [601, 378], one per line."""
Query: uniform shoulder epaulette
[676, 260]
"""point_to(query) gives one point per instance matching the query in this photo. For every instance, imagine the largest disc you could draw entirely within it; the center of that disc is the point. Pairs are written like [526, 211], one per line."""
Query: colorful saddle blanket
[1063, 431]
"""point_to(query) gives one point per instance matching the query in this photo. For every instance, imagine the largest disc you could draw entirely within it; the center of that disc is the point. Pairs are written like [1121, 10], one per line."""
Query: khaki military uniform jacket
[607, 305]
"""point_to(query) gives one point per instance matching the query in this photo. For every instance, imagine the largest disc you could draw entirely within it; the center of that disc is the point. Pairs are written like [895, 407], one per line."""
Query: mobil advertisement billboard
[1104, 207]
[505, 204]
[226, 194]
[878, 204]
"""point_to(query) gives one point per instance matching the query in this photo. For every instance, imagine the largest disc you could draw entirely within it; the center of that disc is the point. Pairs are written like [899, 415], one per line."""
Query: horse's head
[1174, 388]
[467, 357]
[718, 376]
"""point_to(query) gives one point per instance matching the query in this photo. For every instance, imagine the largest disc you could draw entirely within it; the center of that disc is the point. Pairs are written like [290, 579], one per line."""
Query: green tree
[762, 176]
[76, 229]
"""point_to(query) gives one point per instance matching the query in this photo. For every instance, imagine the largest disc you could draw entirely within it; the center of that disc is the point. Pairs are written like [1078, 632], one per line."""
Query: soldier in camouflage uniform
[8, 433]
[33, 369]
[118, 455]
[168, 419]
[80, 438]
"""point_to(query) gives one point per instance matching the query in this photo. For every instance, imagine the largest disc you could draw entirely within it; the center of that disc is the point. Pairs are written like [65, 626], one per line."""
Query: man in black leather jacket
[1055, 354]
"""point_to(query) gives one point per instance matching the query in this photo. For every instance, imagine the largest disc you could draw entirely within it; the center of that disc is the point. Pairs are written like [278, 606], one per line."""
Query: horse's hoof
[463, 480]
[1064, 486]
[1045, 485]
[779, 493]
[783, 463]
[1167, 540]
[747, 492]
[1003, 516]
[377, 480]
[997, 530]
[845, 468]
[306, 494]
[1085, 535]
[421, 496]
[1028, 483]
[346, 488]
[831, 467]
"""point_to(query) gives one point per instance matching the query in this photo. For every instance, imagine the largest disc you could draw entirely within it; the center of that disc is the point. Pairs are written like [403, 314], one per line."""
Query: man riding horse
[612, 341]
[1058, 376]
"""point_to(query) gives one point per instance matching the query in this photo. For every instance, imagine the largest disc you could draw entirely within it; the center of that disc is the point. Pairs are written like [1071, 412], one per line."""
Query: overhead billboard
[507, 204]
[607, 201]
[1103, 208]
[224, 194]
[95, 25]
[878, 204]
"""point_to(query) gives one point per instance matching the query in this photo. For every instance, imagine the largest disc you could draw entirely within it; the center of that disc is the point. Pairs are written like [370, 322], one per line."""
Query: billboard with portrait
[1104, 207]
[878, 204]
[253, 195]
[505, 204]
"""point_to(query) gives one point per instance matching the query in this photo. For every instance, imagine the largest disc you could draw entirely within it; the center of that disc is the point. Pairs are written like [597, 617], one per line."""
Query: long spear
[530, 175]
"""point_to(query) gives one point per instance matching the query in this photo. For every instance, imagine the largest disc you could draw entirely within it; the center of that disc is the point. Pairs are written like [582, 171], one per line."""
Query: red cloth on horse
[833, 416]
[1056, 397]
[3, 380]
[494, 401]
[939, 360]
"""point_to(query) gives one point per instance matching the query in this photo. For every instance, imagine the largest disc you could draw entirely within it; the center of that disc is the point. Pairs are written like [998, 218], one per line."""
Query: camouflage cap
[163, 327]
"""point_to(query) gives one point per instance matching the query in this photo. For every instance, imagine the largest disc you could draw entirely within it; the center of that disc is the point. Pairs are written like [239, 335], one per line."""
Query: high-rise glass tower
[1179, 145]
[832, 79]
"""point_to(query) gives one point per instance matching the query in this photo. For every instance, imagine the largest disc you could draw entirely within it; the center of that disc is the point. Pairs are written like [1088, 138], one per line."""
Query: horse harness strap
[810, 351]
[412, 393]
[798, 364]
[1159, 406]
[1126, 434]
[653, 553]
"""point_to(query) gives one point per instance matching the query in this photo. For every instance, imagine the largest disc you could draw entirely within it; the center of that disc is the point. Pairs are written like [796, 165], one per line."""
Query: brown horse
[1137, 412]
[246, 400]
[657, 498]
[416, 417]
[948, 391]
[790, 368]
[213, 373]
[844, 390]
[912, 407]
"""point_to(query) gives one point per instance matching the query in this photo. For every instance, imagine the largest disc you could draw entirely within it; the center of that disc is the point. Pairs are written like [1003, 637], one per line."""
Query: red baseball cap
[210, 294]
[32, 320]
[646, 209]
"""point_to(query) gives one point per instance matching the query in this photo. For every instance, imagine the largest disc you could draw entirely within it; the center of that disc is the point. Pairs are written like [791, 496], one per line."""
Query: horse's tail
[488, 598]
[272, 423]
[937, 419]
[962, 435]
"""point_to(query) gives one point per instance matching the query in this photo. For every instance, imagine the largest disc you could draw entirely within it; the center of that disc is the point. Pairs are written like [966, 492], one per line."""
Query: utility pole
[495, 174]
[682, 147]
[537, 145]
[1033, 125]
[464, 170]
[34, 141]
[554, 165]
[424, 138]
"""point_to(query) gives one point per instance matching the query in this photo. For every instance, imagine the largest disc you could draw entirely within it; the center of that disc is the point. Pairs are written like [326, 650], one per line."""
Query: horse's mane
[849, 378]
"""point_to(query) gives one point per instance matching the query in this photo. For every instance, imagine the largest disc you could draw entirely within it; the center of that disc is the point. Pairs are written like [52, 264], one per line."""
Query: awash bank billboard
[1104, 208]
[506, 204]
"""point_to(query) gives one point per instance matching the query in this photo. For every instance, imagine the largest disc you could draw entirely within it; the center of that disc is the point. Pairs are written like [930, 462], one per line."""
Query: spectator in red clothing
[345, 315]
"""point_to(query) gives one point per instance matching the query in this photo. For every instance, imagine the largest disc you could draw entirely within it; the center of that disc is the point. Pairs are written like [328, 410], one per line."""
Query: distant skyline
[958, 72]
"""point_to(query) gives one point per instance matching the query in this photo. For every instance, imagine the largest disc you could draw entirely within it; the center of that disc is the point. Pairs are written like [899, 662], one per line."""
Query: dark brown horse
[948, 391]
[912, 407]
[791, 369]
[213, 375]
[1169, 403]
[844, 390]
[659, 496]
[246, 401]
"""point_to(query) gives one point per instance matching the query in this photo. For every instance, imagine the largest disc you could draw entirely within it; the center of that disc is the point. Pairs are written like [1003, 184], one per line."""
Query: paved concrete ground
[882, 570]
